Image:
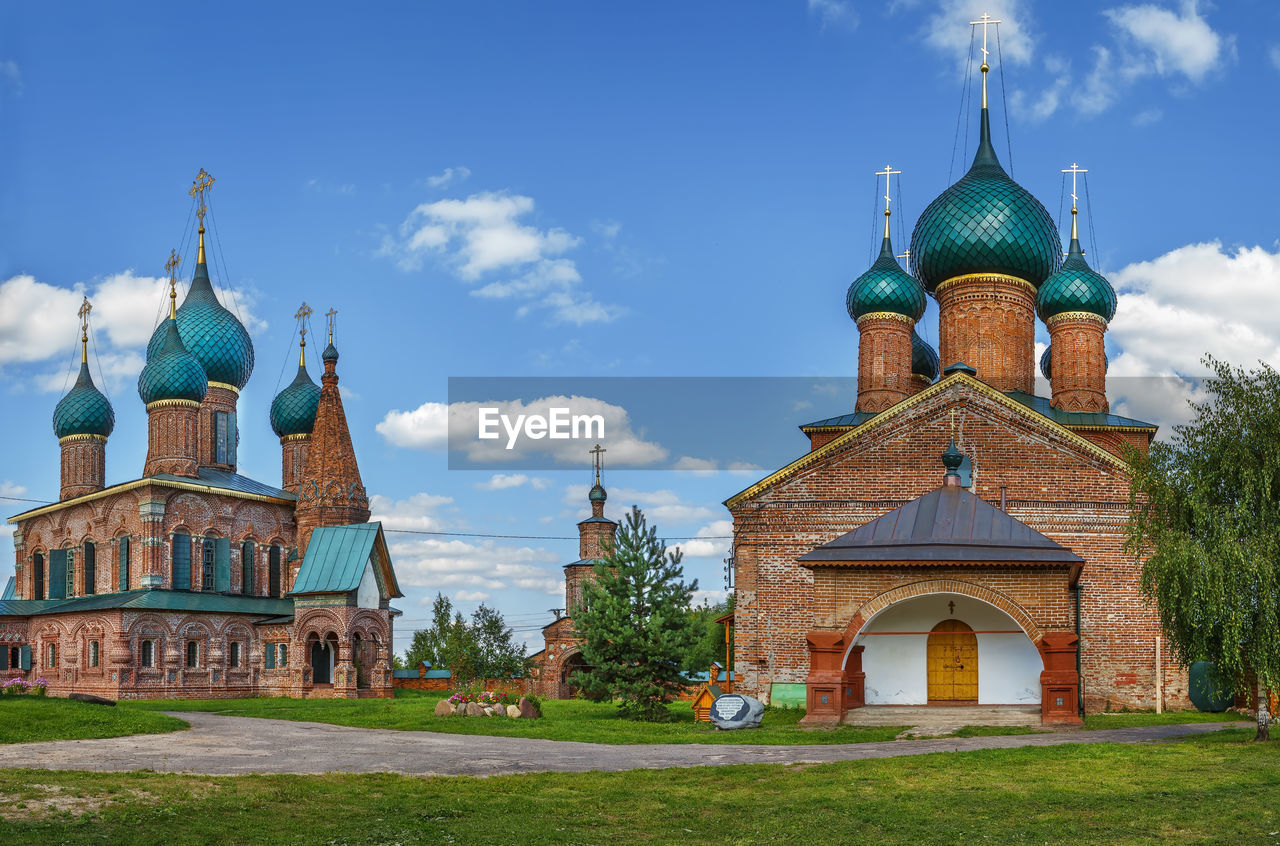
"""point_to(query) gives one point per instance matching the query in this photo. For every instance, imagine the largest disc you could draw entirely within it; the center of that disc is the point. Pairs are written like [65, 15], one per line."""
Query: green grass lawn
[25, 719]
[1210, 789]
[592, 722]
[571, 719]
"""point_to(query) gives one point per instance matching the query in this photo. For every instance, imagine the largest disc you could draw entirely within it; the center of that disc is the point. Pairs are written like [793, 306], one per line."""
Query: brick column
[824, 700]
[171, 438]
[1078, 361]
[219, 397]
[293, 460]
[84, 465]
[987, 321]
[884, 360]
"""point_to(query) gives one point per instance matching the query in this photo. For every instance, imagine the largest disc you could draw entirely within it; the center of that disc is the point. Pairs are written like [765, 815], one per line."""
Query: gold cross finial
[597, 456]
[331, 314]
[887, 173]
[1075, 170]
[172, 267]
[984, 22]
[301, 315]
[905, 255]
[203, 182]
[953, 422]
[83, 314]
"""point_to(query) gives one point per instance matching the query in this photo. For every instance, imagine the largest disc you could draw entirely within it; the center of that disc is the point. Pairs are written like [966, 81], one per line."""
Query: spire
[888, 173]
[985, 21]
[986, 154]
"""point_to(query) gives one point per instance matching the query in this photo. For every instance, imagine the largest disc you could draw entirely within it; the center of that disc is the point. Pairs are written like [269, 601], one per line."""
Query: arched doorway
[953, 662]
[570, 665]
[322, 653]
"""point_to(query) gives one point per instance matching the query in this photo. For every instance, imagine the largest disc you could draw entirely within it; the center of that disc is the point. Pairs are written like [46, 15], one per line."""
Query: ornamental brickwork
[84, 465]
[988, 322]
[884, 360]
[1078, 362]
[171, 439]
[220, 398]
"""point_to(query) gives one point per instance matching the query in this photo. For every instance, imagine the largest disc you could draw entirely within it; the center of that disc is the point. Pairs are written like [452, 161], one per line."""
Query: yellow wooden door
[953, 663]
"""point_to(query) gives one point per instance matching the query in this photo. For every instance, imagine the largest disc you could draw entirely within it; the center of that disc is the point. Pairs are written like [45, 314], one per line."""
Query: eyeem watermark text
[559, 424]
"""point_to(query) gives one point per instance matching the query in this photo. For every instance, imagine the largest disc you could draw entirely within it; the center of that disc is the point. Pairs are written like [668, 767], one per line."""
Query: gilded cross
[905, 255]
[1075, 170]
[202, 183]
[887, 173]
[303, 313]
[83, 314]
[172, 264]
[984, 22]
[597, 456]
[331, 314]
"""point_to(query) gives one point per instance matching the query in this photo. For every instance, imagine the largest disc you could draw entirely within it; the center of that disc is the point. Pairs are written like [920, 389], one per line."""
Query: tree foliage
[710, 646]
[485, 648]
[635, 623]
[1206, 517]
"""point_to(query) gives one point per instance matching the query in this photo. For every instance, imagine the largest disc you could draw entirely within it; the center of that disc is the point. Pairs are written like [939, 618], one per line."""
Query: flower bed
[20, 687]
[483, 697]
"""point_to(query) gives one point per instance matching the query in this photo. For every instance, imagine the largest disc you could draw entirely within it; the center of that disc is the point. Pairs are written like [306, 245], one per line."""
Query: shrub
[14, 687]
[40, 688]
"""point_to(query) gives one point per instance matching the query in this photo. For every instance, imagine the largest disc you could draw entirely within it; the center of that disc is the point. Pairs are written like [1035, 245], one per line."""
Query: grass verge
[27, 719]
[1210, 789]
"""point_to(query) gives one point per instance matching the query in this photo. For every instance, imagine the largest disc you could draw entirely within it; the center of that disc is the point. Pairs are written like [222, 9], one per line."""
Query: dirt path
[221, 745]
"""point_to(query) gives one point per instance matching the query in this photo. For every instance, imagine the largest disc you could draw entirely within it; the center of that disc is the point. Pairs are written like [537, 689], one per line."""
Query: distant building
[192, 580]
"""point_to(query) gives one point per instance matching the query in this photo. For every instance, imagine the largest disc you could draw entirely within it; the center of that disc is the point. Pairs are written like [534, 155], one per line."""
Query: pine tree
[635, 623]
[1206, 516]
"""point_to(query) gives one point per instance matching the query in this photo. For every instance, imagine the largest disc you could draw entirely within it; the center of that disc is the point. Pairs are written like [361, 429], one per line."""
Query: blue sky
[586, 189]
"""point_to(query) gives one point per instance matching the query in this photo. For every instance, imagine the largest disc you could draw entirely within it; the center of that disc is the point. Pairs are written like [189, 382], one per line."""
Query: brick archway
[875, 605]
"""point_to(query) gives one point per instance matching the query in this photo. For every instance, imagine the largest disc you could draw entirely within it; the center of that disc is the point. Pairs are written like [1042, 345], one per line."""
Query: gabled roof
[840, 421]
[585, 562]
[155, 600]
[8, 589]
[207, 480]
[336, 556]
[946, 383]
[1078, 419]
[946, 524]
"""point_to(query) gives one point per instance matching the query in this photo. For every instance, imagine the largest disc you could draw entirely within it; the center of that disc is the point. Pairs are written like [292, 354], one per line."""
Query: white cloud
[1274, 55]
[486, 234]
[420, 512]
[11, 74]
[503, 481]
[1188, 302]
[948, 31]
[449, 176]
[37, 320]
[707, 596]
[471, 596]
[435, 426]
[1146, 117]
[439, 563]
[662, 508]
[834, 13]
[1170, 43]
[711, 541]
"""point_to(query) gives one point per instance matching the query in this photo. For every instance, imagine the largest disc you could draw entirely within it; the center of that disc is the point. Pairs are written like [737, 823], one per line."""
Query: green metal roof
[84, 410]
[171, 372]
[229, 481]
[293, 411]
[1076, 418]
[924, 358]
[856, 418]
[1076, 287]
[154, 600]
[885, 287]
[211, 333]
[8, 589]
[596, 520]
[335, 559]
[585, 562]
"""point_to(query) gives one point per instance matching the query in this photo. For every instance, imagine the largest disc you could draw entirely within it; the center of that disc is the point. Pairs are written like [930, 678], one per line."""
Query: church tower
[83, 420]
[330, 491]
[596, 535]
[982, 249]
[293, 413]
[885, 302]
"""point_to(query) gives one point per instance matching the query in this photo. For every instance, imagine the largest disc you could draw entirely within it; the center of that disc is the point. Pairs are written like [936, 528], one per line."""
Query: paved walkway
[221, 745]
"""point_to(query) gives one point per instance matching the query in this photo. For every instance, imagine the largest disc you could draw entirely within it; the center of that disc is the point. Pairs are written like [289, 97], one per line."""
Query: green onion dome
[330, 353]
[985, 223]
[885, 287]
[597, 493]
[1046, 359]
[924, 358]
[293, 411]
[1076, 287]
[84, 410]
[171, 373]
[211, 333]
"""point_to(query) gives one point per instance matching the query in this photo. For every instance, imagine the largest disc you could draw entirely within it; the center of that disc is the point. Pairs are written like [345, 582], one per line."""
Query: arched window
[234, 657]
[90, 567]
[193, 653]
[52, 654]
[37, 575]
[180, 561]
[207, 552]
[273, 571]
[123, 562]
[94, 653]
[148, 653]
[246, 567]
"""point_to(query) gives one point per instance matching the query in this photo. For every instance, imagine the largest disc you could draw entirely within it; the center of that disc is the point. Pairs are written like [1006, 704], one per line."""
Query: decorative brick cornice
[885, 315]
[983, 277]
[74, 438]
[172, 403]
[1075, 315]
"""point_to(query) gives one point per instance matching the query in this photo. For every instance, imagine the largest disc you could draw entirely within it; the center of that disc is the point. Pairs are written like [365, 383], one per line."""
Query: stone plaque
[735, 711]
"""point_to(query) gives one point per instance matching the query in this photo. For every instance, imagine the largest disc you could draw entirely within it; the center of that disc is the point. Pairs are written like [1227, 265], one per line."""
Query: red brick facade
[884, 360]
[84, 465]
[1078, 362]
[171, 438]
[988, 322]
[796, 625]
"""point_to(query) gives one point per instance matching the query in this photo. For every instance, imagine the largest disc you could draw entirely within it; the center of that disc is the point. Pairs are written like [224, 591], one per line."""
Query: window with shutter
[207, 547]
[148, 653]
[273, 571]
[221, 565]
[284, 654]
[57, 574]
[37, 573]
[180, 560]
[90, 567]
[269, 655]
[4, 658]
[52, 655]
[246, 567]
[124, 563]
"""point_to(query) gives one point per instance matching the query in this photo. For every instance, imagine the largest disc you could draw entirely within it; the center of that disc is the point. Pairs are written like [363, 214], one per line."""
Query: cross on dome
[984, 22]
[1075, 170]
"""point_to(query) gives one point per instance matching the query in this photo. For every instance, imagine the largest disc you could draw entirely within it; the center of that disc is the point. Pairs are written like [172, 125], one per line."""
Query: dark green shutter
[4, 657]
[269, 653]
[181, 561]
[24, 658]
[57, 574]
[222, 564]
[37, 564]
[233, 438]
[273, 572]
[90, 567]
[246, 567]
[124, 563]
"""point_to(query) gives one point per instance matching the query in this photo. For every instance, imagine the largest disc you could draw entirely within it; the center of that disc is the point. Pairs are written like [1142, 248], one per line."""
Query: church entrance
[953, 662]
[322, 655]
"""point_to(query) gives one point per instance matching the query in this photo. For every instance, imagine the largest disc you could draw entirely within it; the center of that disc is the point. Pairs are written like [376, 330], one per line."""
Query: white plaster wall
[895, 658]
[367, 593]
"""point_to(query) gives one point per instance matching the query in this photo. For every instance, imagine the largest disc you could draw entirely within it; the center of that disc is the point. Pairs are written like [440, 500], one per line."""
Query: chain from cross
[330, 315]
[984, 22]
[597, 456]
[1075, 170]
[203, 182]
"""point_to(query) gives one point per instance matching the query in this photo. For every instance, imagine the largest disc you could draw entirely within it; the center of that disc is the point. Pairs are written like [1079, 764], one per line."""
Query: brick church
[192, 580]
[957, 539]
